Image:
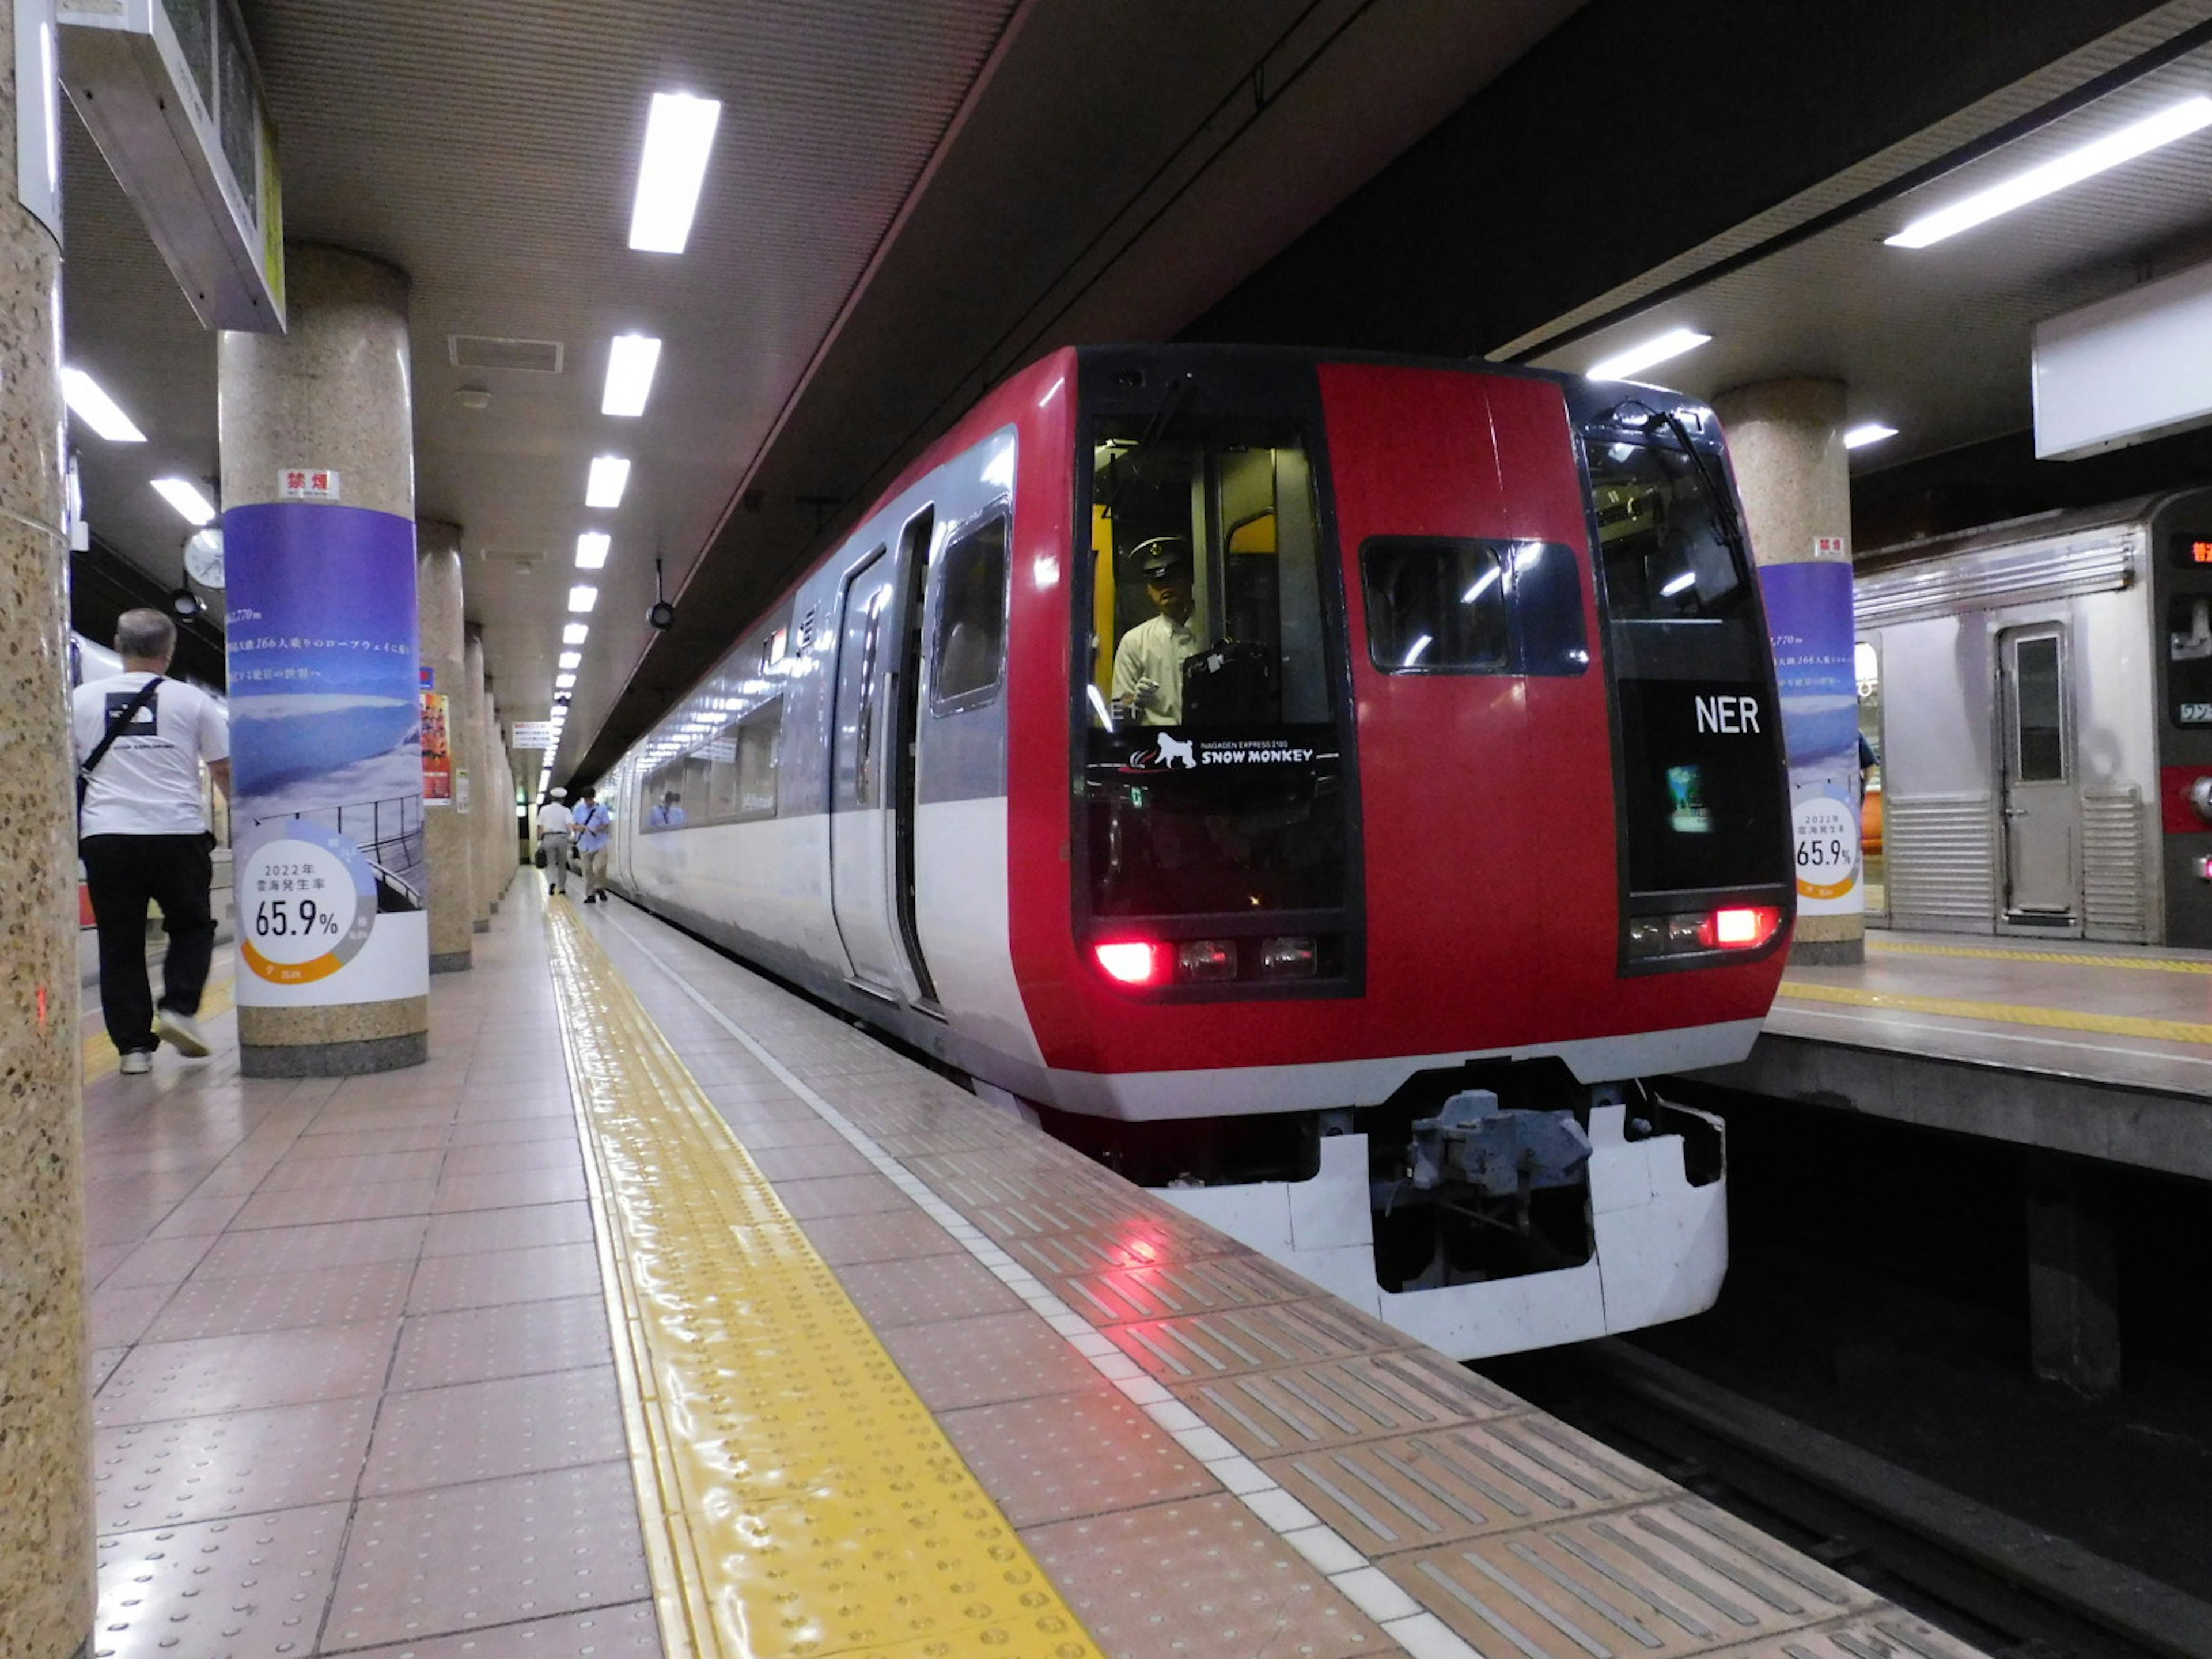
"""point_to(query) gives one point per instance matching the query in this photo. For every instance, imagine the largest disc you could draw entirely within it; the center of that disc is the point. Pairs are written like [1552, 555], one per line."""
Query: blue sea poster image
[1808, 614]
[326, 755]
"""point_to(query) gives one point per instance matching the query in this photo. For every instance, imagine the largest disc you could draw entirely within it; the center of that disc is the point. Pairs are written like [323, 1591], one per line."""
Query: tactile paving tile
[1068, 1454]
[630, 1631]
[860, 1194]
[1261, 1338]
[490, 1552]
[1392, 1495]
[332, 1245]
[1891, 1633]
[1267, 1414]
[199, 1469]
[220, 1374]
[886, 1236]
[484, 1430]
[1204, 1285]
[977, 1362]
[1204, 1578]
[444, 1283]
[806, 1162]
[930, 1290]
[279, 1301]
[476, 1344]
[1655, 1582]
[251, 1588]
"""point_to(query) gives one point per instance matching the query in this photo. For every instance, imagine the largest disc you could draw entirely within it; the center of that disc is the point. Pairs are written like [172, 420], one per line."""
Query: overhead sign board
[533, 734]
[168, 90]
[2125, 370]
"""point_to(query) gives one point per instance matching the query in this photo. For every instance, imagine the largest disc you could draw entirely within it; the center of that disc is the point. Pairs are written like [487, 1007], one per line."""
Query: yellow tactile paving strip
[798, 1497]
[2067, 958]
[2006, 1014]
[99, 1056]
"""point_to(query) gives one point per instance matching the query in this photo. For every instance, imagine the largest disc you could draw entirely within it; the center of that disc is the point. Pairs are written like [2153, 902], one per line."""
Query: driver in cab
[1148, 662]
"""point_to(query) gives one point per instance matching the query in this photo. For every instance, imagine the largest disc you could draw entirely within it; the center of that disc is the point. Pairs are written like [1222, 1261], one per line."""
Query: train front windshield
[1212, 769]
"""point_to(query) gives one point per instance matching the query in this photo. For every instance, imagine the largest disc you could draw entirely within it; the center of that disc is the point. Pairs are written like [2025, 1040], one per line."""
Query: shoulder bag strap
[115, 728]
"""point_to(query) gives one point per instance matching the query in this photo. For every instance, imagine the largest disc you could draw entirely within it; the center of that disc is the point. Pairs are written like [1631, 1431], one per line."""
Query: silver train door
[2041, 872]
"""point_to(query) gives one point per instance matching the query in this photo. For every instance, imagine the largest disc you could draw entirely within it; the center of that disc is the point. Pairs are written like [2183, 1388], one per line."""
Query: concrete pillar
[1786, 440]
[485, 805]
[499, 831]
[2073, 1276]
[45, 1435]
[446, 830]
[319, 538]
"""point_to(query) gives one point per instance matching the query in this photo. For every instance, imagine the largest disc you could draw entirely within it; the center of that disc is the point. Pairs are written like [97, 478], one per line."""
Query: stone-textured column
[1786, 440]
[45, 1435]
[499, 831]
[2073, 1276]
[319, 521]
[485, 804]
[444, 828]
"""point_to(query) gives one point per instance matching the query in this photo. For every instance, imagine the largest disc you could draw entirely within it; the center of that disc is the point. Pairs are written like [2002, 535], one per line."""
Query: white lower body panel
[1660, 1248]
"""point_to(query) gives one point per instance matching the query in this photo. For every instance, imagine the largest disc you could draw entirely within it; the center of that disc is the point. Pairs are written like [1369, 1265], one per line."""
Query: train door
[872, 789]
[2036, 741]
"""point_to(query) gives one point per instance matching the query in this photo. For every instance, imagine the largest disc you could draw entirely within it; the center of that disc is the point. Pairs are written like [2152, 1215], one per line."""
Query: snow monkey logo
[1177, 751]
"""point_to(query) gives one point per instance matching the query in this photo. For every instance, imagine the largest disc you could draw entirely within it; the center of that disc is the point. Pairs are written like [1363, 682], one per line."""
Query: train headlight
[1204, 960]
[1290, 957]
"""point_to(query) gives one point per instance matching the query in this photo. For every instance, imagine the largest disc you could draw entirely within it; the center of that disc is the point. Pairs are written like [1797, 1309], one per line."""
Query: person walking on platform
[555, 825]
[143, 833]
[595, 829]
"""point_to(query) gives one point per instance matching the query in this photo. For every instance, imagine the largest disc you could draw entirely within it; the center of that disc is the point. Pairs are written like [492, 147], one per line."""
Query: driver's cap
[1162, 556]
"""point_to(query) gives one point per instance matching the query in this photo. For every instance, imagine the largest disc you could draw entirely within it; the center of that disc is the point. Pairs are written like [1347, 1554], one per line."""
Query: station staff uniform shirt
[593, 829]
[149, 781]
[1156, 649]
[554, 819]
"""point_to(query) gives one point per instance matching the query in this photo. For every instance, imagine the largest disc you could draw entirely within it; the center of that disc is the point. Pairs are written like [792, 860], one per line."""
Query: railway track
[2012, 1590]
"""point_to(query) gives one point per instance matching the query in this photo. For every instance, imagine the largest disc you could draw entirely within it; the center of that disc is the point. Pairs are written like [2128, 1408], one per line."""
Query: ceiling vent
[489, 351]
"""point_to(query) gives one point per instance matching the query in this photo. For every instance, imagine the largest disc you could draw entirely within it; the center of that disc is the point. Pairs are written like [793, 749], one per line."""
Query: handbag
[537, 858]
[116, 726]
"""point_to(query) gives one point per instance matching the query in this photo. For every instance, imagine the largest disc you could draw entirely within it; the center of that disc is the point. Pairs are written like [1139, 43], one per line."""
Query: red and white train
[1438, 800]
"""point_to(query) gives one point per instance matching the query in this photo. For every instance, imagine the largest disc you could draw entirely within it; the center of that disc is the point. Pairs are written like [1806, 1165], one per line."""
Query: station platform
[2100, 1050]
[666, 1313]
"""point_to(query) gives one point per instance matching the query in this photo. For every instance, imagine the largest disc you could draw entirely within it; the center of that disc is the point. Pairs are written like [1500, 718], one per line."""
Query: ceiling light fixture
[591, 550]
[2191, 115]
[562, 682]
[680, 133]
[575, 633]
[185, 495]
[631, 359]
[1872, 432]
[609, 477]
[582, 599]
[572, 659]
[1622, 364]
[90, 403]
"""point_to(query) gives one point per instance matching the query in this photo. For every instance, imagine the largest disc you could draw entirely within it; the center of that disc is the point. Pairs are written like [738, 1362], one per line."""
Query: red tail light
[1740, 928]
[1133, 962]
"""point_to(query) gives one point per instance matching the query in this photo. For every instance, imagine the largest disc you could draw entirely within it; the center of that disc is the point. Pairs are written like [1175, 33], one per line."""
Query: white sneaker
[180, 1032]
[136, 1063]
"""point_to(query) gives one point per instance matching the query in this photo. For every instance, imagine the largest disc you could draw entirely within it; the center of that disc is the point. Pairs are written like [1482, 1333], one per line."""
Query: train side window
[1666, 552]
[968, 651]
[1445, 605]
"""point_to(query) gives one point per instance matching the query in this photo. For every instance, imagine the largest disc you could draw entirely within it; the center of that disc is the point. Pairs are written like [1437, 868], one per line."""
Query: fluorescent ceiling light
[1872, 432]
[185, 495]
[562, 682]
[572, 659]
[582, 599]
[591, 550]
[575, 633]
[2189, 116]
[92, 406]
[679, 135]
[631, 359]
[610, 478]
[1622, 364]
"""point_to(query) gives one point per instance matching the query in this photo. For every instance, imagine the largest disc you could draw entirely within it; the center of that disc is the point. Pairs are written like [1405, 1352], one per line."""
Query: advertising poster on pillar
[326, 752]
[1808, 614]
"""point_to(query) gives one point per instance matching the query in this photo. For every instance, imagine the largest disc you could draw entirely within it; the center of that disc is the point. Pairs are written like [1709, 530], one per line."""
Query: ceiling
[904, 200]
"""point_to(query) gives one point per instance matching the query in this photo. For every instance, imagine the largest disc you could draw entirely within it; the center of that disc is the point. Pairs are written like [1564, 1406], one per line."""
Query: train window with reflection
[729, 778]
[967, 653]
[1214, 763]
[1443, 605]
[1666, 541]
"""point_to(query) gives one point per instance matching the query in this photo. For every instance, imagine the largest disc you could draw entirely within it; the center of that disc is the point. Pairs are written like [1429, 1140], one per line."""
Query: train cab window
[1214, 766]
[1441, 604]
[968, 651]
[2189, 658]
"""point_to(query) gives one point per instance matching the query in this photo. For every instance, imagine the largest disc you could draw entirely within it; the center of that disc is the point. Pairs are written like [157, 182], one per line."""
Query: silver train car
[2044, 689]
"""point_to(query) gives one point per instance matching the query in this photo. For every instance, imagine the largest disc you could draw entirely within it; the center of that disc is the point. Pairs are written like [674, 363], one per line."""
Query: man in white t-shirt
[144, 835]
[556, 823]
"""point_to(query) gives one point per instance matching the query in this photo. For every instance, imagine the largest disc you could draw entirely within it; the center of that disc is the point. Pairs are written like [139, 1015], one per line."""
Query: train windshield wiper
[1637, 415]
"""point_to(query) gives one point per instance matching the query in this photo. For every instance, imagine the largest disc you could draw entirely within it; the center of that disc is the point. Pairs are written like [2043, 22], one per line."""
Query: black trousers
[124, 874]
